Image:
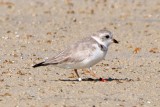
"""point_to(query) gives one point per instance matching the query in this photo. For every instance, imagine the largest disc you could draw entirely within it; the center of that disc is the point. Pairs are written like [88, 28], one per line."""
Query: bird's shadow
[98, 80]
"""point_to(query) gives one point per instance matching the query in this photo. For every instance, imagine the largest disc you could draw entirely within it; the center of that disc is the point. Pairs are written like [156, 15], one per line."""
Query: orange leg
[91, 73]
[79, 79]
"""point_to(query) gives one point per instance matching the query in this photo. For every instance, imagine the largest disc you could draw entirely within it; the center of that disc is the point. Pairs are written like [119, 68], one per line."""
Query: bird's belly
[93, 59]
[88, 62]
[79, 65]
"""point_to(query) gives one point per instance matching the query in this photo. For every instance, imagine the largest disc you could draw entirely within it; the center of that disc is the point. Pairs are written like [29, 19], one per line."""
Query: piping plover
[83, 54]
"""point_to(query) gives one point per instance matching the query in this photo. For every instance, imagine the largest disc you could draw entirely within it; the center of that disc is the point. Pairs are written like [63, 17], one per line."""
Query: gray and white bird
[84, 53]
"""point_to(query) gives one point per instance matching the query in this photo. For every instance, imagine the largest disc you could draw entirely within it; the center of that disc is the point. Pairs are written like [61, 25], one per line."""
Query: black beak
[115, 41]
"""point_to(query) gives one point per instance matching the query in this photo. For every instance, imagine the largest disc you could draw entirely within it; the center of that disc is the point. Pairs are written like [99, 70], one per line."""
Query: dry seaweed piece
[49, 41]
[136, 50]
[72, 75]
[21, 73]
[5, 94]
[8, 62]
[154, 50]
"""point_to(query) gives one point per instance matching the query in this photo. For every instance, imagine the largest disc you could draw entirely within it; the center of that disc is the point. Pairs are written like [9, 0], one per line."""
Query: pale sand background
[31, 30]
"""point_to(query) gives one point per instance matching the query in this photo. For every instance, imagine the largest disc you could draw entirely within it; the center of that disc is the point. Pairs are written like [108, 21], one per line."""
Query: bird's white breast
[96, 56]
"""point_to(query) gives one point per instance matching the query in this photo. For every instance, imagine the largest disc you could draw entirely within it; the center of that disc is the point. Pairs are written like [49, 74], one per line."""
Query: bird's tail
[40, 64]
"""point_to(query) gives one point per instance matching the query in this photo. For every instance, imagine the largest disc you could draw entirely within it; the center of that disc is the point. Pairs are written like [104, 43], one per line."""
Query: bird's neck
[99, 41]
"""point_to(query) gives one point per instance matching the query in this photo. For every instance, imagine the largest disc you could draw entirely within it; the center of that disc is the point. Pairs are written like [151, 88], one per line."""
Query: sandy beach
[33, 30]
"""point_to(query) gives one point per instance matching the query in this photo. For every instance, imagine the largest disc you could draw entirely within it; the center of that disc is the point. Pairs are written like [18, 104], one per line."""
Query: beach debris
[153, 50]
[136, 50]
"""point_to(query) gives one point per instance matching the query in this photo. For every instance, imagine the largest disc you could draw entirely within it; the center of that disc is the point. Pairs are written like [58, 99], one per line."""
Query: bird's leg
[79, 79]
[85, 71]
[92, 73]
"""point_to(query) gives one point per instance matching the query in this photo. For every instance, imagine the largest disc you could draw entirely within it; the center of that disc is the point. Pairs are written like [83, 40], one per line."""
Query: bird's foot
[103, 80]
[79, 79]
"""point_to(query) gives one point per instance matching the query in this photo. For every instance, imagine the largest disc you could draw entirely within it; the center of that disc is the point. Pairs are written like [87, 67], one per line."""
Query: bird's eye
[107, 36]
